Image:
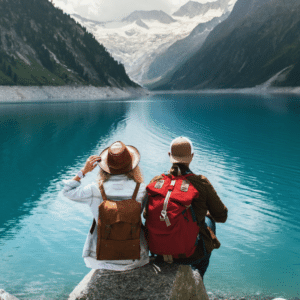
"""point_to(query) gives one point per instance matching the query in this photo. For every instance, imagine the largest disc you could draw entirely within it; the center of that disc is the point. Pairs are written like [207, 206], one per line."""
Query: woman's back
[118, 186]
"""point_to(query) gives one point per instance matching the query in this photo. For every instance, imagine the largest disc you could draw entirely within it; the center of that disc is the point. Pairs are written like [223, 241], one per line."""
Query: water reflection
[38, 141]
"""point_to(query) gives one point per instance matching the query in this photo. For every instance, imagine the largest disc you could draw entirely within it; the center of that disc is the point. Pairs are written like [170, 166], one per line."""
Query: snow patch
[242, 67]
[26, 61]
[137, 46]
[276, 77]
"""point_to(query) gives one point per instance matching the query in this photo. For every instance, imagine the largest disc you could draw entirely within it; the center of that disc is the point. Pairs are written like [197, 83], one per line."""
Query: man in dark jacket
[207, 207]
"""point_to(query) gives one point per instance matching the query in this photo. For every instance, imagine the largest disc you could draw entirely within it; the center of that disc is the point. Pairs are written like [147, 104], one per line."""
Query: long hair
[177, 169]
[135, 174]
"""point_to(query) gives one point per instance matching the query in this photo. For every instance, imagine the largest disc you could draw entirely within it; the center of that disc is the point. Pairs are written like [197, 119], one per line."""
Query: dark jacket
[208, 203]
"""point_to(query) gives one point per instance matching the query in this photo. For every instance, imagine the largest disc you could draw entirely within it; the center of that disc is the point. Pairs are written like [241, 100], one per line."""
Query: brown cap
[181, 150]
[119, 158]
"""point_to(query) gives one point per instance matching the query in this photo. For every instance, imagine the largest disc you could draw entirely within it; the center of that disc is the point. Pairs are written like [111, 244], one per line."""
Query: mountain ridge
[157, 15]
[258, 40]
[40, 45]
[139, 42]
[193, 8]
[179, 52]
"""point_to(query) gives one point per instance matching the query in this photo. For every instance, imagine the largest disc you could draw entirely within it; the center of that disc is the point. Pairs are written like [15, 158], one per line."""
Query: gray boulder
[153, 281]
[6, 296]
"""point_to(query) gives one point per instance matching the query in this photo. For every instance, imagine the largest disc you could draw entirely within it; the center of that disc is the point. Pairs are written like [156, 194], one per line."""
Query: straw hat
[119, 158]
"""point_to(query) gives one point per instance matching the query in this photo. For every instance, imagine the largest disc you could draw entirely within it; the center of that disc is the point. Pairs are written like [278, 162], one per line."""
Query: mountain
[141, 23]
[178, 53]
[258, 41]
[87, 20]
[192, 8]
[40, 45]
[155, 15]
[142, 37]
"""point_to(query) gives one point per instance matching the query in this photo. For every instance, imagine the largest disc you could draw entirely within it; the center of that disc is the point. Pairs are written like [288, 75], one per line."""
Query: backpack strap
[104, 198]
[101, 187]
[163, 214]
[108, 227]
[135, 191]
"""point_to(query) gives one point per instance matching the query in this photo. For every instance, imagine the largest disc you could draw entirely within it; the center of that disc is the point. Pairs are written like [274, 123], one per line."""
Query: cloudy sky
[106, 10]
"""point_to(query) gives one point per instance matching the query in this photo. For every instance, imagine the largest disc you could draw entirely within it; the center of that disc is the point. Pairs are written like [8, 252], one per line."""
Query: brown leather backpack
[119, 227]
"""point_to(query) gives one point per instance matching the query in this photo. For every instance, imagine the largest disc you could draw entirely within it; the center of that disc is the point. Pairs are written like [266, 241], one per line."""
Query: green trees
[60, 45]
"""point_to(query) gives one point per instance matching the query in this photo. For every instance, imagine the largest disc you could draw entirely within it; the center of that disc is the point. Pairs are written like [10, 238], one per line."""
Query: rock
[153, 281]
[6, 296]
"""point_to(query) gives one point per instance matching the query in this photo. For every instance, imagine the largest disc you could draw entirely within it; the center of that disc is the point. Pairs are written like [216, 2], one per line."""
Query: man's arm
[216, 207]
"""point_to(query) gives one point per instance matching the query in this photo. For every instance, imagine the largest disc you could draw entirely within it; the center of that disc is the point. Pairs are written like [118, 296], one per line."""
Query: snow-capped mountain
[192, 8]
[140, 38]
[257, 45]
[152, 15]
[164, 65]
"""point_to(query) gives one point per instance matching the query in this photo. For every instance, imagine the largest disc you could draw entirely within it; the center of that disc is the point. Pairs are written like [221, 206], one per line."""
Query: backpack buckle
[164, 217]
[168, 258]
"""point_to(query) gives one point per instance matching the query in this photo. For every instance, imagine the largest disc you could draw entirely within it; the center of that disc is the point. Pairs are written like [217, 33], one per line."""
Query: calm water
[247, 146]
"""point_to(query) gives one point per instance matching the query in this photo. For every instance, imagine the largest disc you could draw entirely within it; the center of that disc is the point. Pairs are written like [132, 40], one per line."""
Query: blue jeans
[202, 264]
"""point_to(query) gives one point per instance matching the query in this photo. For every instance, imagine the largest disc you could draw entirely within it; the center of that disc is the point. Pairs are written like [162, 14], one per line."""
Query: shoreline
[259, 91]
[27, 94]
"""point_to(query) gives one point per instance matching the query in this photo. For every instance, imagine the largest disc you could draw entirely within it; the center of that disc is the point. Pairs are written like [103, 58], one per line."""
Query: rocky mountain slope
[163, 66]
[192, 8]
[40, 45]
[258, 41]
[139, 39]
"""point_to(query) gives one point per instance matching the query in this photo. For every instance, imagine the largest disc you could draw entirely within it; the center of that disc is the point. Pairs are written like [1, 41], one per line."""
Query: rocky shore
[259, 90]
[23, 94]
[20, 94]
[6, 296]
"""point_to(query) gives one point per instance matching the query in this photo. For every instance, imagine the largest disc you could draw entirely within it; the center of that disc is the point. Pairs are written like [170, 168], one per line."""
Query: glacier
[136, 43]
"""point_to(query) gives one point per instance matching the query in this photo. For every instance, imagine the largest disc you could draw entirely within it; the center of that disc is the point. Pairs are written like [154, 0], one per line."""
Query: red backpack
[171, 223]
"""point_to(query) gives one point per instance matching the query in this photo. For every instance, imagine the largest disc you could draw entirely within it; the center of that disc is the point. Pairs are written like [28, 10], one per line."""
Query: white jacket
[118, 187]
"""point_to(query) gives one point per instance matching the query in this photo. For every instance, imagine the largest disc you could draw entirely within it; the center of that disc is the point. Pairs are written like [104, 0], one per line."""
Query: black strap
[93, 226]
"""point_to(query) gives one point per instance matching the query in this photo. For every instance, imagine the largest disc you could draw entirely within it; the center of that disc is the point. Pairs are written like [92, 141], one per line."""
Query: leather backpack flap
[121, 218]
[119, 228]
[119, 234]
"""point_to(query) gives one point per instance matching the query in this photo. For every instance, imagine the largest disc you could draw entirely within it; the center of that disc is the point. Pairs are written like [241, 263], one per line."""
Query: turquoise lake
[248, 147]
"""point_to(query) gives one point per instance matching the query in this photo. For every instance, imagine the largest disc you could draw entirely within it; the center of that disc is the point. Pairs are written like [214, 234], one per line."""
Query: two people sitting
[180, 209]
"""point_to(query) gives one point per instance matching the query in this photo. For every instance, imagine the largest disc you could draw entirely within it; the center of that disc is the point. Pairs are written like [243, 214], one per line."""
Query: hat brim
[135, 159]
[180, 159]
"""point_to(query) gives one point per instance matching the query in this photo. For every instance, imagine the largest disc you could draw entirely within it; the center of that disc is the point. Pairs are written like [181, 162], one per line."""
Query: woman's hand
[91, 164]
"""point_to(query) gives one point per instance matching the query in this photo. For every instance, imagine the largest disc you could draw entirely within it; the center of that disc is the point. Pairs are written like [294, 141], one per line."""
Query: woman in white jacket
[119, 178]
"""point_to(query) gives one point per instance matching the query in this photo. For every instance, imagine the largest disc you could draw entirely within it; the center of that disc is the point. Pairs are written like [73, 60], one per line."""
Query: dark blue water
[247, 146]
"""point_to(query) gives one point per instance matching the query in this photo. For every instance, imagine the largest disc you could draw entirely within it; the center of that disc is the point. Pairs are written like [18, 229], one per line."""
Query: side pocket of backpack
[215, 241]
